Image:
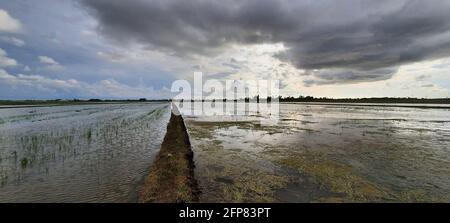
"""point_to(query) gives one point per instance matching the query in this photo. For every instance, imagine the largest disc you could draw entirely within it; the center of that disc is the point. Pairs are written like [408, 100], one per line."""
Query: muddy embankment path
[171, 177]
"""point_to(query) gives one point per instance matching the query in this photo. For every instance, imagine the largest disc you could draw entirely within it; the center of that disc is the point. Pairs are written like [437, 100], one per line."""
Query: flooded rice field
[311, 153]
[324, 153]
[79, 153]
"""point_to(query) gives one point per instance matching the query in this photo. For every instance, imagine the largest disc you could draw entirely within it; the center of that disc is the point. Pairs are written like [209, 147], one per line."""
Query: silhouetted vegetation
[367, 100]
[256, 99]
[384, 100]
[71, 102]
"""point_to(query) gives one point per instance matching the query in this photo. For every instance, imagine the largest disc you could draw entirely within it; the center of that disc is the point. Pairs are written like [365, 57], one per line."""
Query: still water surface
[314, 153]
[325, 153]
[80, 153]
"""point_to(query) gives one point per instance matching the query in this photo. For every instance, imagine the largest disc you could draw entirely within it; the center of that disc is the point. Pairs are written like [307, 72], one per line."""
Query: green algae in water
[259, 187]
[228, 175]
[338, 178]
[344, 180]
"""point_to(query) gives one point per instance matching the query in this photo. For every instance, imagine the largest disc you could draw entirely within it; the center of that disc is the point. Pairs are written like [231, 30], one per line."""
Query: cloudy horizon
[116, 49]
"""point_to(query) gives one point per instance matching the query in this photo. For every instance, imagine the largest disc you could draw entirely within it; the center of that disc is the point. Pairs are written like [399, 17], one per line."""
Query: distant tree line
[256, 99]
[367, 100]
[74, 101]
[406, 100]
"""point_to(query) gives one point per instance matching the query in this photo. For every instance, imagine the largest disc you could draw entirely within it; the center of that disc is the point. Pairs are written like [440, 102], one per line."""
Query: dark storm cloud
[344, 41]
[336, 76]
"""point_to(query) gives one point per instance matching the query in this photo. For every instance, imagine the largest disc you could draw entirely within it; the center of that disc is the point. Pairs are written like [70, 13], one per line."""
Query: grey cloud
[13, 41]
[26, 85]
[423, 77]
[220, 75]
[233, 63]
[308, 82]
[230, 65]
[360, 39]
[340, 76]
[5, 61]
[428, 85]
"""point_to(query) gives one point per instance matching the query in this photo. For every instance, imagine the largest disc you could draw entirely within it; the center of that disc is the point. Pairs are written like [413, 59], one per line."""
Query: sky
[115, 49]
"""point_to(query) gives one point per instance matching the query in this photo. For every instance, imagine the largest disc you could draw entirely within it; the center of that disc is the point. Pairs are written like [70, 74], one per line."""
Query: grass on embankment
[171, 178]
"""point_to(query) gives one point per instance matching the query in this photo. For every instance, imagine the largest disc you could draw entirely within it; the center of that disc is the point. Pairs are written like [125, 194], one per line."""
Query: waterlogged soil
[79, 153]
[324, 153]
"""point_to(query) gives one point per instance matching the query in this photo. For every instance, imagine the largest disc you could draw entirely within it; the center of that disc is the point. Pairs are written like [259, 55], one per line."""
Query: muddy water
[325, 153]
[82, 153]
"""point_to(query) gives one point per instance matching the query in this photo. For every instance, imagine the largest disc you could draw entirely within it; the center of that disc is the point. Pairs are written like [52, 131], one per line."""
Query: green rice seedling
[151, 112]
[89, 135]
[3, 179]
[24, 162]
